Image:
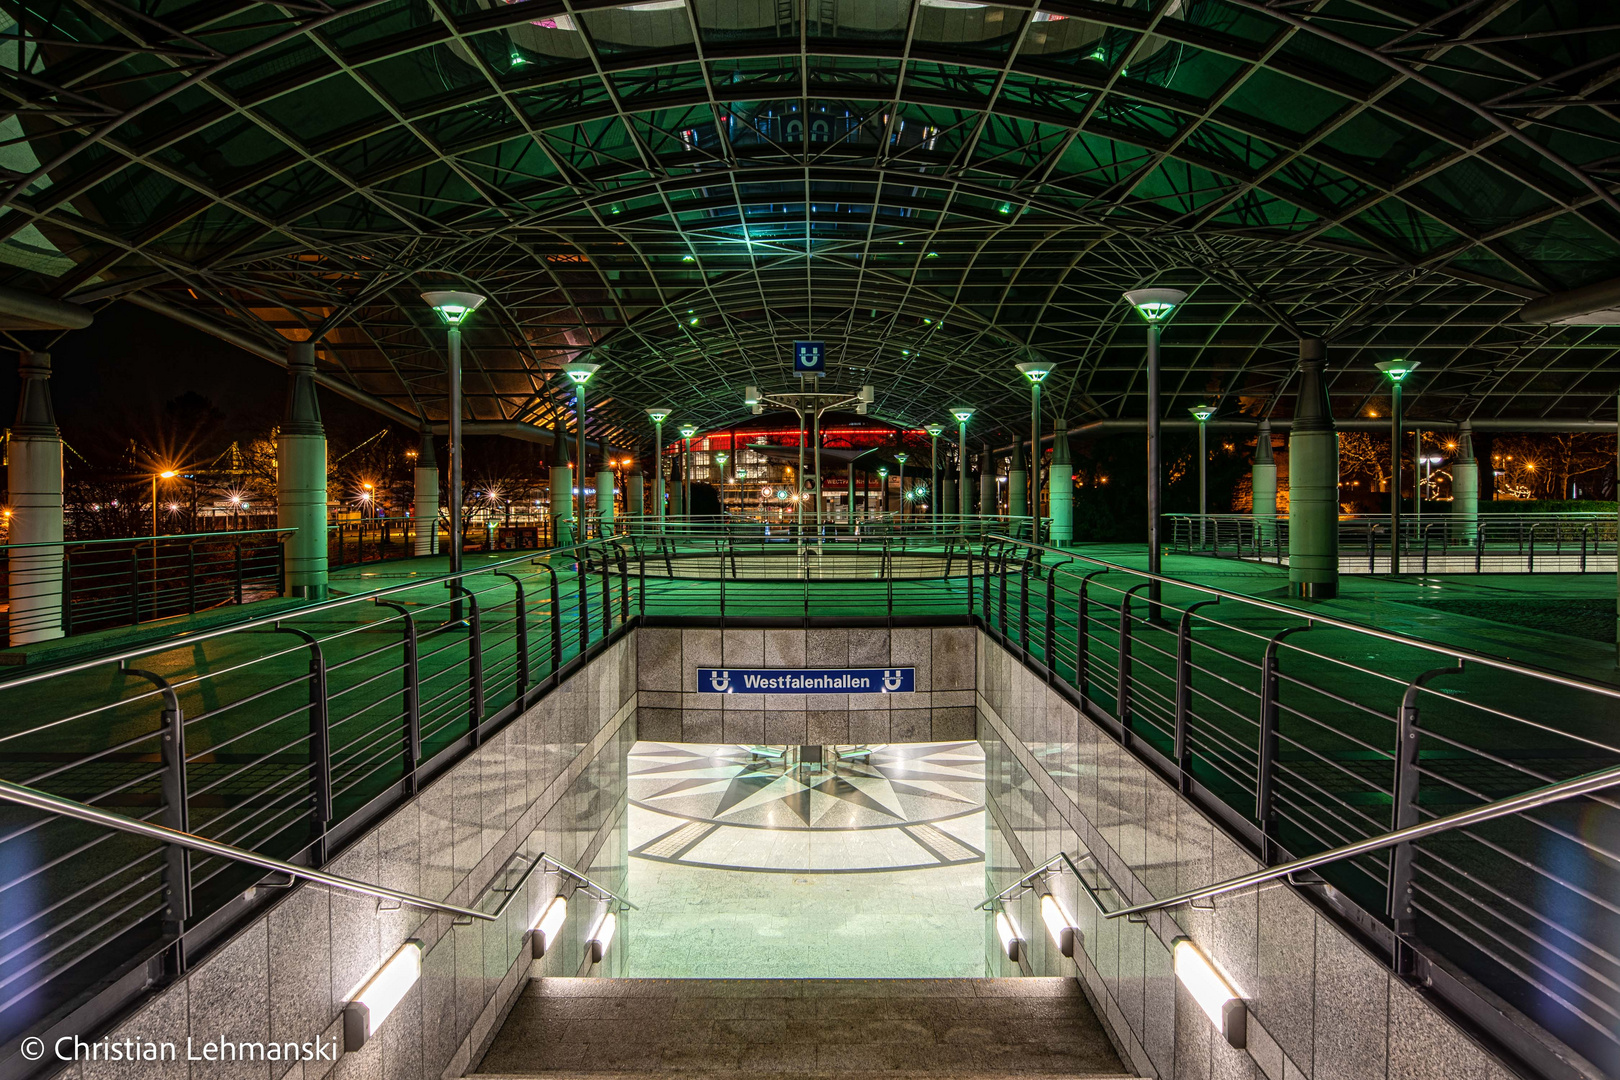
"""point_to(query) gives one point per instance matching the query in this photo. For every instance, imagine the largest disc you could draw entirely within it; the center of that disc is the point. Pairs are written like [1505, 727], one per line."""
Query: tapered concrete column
[987, 484]
[1060, 487]
[301, 478]
[1017, 489]
[635, 496]
[605, 509]
[562, 496]
[947, 496]
[34, 486]
[425, 507]
[677, 488]
[1313, 483]
[1465, 487]
[1263, 479]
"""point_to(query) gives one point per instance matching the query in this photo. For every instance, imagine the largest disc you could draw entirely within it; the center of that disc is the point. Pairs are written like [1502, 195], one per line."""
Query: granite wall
[671, 708]
[1321, 1007]
[551, 780]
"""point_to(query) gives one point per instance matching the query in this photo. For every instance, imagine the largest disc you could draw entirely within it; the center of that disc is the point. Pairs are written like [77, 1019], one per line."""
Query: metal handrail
[40, 800]
[1329, 621]
[536, 862]
[1529, 800]
[271, 620]
[223, 534]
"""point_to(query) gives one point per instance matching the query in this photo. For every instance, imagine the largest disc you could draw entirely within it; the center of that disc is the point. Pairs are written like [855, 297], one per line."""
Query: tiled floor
[745, 867]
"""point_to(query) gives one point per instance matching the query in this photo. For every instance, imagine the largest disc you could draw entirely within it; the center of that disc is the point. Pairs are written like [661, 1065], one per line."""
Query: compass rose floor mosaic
[749, 862]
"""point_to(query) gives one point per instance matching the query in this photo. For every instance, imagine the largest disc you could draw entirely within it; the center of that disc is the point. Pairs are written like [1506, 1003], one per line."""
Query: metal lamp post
[579, 374]
[934, 501]
[454, 307]
[658, 418]
[1036, 372]
[883, 489]
[1202, 413]
[901, 458]
[686, 469]
[1396, 372]
[1155, 306]
[963, 415]
[720, 459]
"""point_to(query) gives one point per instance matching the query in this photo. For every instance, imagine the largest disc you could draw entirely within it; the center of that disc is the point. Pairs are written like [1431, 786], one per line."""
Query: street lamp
[934, 432]
[1396, 371]
[658, 418]
[166, 474]
[453, 308]
[901, 458]
[963, 415]
[687, 431]
[1156, 306]
[883, 488]
[579, 374]
[1036, 372]
[720, 459]
[1202, 413]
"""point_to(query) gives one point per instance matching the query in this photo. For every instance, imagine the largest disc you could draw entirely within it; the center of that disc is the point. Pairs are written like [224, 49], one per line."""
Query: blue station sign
[809, 358]
[806, 680]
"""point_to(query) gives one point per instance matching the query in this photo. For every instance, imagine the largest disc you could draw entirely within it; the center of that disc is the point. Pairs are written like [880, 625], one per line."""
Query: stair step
[899, 1029]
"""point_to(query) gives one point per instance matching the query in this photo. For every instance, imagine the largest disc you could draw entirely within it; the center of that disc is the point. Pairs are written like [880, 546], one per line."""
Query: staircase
[956, 1028]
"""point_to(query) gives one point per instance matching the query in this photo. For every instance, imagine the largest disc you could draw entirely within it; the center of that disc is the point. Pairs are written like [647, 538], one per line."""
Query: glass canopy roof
[678, 189]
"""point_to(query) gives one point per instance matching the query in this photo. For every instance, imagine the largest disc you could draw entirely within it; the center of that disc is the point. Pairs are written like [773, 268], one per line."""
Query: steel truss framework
[680, 188]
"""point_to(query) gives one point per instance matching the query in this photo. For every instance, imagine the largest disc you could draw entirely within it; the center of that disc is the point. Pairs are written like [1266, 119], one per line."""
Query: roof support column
[301, 478]
[1465, 487]
[1313, 483]
[34, 486]
[562, 496]
[1263, 481]
[604, 491]
[987, 484]
[1060, 488]
[1017, 490]
[425, 506]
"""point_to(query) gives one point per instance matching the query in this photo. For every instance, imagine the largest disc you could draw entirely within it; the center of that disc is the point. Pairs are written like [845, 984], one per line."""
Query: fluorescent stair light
[1219, 1001]
[1058, 924]
[602, 936]
[550, 922]
[380, 995]
[1010, 940]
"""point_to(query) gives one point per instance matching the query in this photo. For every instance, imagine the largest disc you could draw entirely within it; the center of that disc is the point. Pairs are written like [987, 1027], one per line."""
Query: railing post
[520, 624]
[237, 592]
[1122, 687]
[176, 812]
[1031, 562]
[191, 577]
[1082, 639]
[1531, 568]
[1479, 545]
[134, 584]
[1183, 743]
[607, 592]
[1265, 802]
[556, 618]
[320, 743]
[475, 668]
[1001, 590]
[582, 574]
[1408, 782]
[67, 589]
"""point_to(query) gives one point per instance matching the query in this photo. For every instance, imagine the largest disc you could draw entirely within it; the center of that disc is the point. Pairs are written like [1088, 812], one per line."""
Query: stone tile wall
[1321, 1007]
[671, 708]
[539, 783]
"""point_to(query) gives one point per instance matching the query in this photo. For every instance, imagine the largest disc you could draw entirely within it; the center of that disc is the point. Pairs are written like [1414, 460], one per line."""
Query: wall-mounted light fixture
[1220, 1002]
[1011, 940]
[380, 995]
[1059, 924]
[602, 936]
[549, 923]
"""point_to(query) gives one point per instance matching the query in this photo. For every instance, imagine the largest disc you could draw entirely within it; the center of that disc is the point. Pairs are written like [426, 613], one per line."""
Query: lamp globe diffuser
[1156, 305]
[453, 306]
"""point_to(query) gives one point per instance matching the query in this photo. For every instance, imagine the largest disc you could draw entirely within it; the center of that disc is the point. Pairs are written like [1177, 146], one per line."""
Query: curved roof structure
[678, 189]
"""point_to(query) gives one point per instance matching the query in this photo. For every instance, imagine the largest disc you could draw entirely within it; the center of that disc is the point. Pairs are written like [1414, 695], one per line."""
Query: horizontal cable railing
[1307, 735]
[78, 586]
[282, 735]
[1436, 543]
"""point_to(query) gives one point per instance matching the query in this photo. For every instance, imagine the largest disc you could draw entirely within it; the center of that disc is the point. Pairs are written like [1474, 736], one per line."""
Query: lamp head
[962, 414]
[1396, 371]
[688, 431]
[722, 457]
[1156, 305]
[934, 430]
[750, 396]
[658, 415]
[579, 373]
[883, 471]
[900, 457]
[1035, 371]
[1202, 412]
[453, 307]
[167, 474]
